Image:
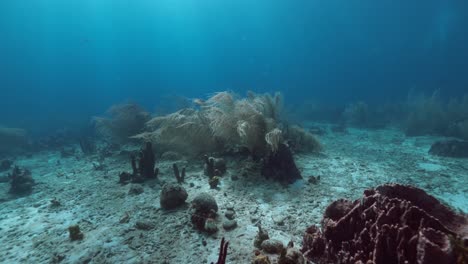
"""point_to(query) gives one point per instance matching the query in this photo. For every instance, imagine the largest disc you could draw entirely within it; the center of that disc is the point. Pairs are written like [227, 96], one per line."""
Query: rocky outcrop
[389, 224]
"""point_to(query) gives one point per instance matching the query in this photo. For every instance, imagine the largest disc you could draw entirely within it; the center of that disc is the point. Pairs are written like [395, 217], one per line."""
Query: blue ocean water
[151, 131]
[64, 61]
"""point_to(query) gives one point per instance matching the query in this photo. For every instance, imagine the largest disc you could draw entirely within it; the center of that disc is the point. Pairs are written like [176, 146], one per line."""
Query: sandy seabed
[34, 231]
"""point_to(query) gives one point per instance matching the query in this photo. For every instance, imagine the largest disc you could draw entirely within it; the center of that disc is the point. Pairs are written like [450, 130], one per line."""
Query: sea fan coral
[301, 140]
[222, 121]
[124, 121]
[186, 131]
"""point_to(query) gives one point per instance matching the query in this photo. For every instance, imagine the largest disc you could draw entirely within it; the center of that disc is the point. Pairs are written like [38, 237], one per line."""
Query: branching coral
[124, 121]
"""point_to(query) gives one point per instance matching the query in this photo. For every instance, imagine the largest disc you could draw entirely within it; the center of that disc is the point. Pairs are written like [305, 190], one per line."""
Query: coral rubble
[390, 224]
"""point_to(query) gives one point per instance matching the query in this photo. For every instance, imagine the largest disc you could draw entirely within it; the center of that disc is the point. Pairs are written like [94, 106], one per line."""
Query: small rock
[144, 225]
[229, 214]
[279, 219]
[55, 203]
[125, 218]
[229, 224]
[135, 189]
[272, 246]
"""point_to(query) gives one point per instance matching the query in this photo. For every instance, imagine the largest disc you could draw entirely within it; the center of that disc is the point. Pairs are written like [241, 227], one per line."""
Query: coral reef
[124, 121]
[450, 148]
[221, 122]
[390, 224]
[280, 165]
[21, 181]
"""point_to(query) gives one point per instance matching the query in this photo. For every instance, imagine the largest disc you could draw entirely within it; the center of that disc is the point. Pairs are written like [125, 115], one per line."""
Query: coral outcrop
[390, 224]
[450, 148]
[172, 196]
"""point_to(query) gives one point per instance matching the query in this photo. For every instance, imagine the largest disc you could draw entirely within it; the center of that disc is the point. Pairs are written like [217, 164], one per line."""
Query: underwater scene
[249, 132]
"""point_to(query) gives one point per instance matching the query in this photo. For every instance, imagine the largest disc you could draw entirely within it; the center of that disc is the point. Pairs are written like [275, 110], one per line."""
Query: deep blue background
[62, 61]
